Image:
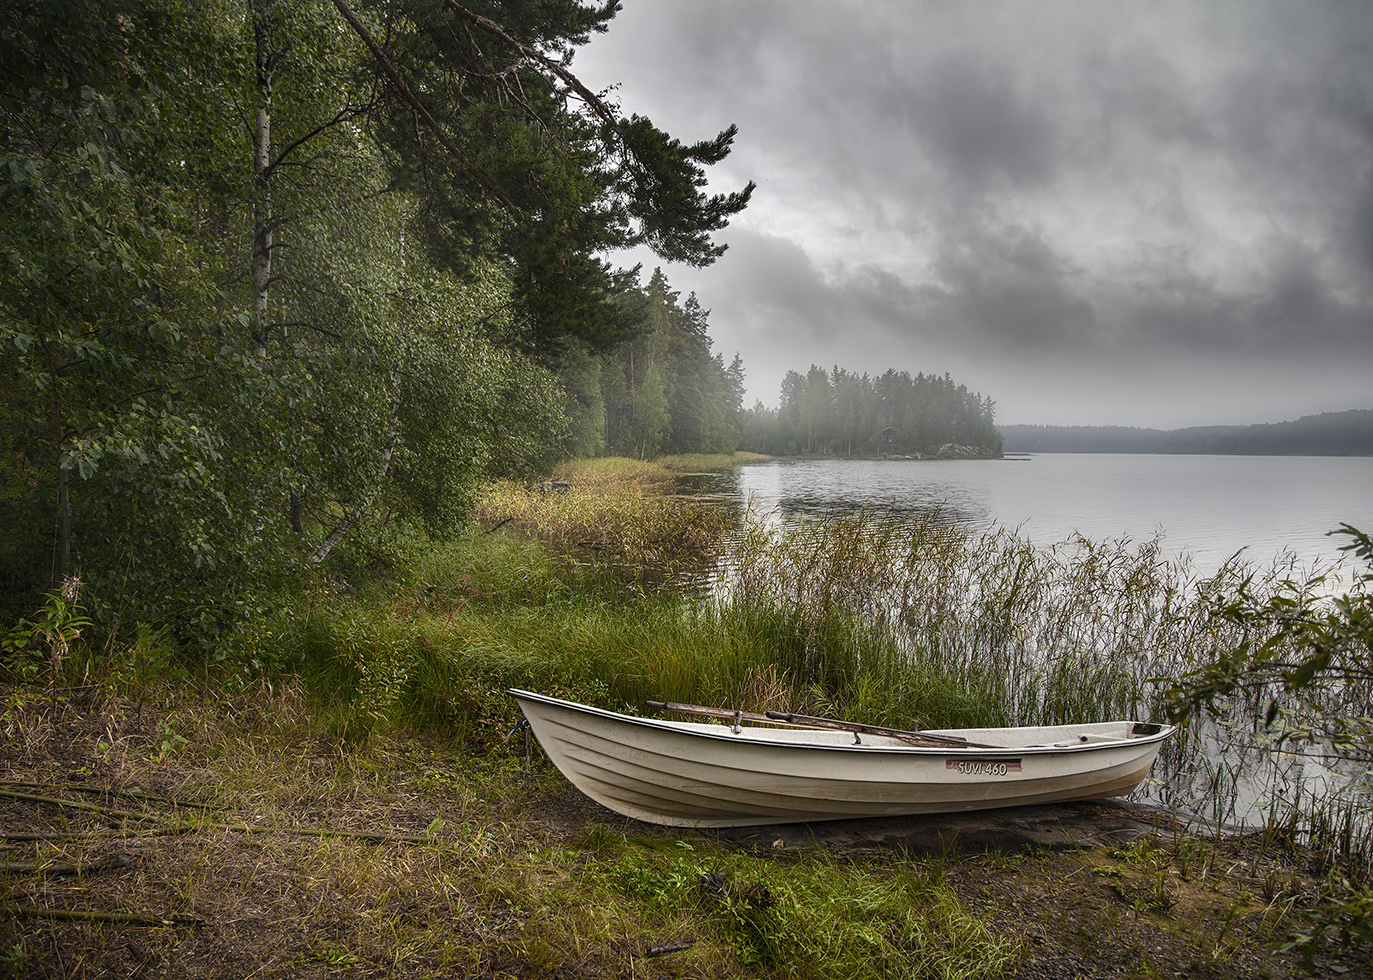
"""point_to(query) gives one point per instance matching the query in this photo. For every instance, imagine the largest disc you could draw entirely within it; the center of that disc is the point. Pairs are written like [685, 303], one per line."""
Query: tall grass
[904, 620]
[914, 621]
[975, 628]
[909, 621]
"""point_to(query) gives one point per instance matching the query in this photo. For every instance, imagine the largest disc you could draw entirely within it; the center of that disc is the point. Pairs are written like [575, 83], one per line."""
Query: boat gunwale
[727, 735]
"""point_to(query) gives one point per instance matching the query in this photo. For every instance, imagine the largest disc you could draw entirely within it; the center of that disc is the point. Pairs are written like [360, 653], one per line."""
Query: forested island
[843, 413]
[1329, 434]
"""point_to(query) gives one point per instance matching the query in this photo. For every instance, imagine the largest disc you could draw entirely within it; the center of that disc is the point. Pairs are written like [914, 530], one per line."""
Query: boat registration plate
[983, 767]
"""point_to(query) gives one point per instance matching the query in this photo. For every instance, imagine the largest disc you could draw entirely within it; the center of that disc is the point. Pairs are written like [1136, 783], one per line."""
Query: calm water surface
[1206, 506]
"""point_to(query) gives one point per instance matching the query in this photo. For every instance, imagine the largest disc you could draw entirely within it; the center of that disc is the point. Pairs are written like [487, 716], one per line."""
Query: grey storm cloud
[1012, 287]
[981, 129]
[1085, 187]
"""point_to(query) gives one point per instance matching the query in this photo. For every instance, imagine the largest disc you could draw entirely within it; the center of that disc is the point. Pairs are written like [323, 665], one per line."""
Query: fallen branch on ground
[118, 918]
[53, 868]
[106, 791]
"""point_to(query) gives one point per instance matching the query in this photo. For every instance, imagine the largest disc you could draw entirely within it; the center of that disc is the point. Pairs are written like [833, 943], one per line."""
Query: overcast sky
[1155, 214]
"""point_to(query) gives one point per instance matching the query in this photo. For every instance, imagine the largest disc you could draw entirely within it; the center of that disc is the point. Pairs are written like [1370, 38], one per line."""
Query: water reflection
[811, 488]
[1229, 774]
[722, 483]
[1205, 507]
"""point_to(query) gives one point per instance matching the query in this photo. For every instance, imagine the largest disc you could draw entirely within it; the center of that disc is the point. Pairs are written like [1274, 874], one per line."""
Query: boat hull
[706, 775]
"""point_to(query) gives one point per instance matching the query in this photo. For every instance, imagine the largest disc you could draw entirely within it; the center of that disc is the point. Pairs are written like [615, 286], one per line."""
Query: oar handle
[728, 714]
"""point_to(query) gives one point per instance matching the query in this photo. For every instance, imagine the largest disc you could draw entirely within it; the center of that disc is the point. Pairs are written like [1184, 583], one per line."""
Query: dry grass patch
[624, 523]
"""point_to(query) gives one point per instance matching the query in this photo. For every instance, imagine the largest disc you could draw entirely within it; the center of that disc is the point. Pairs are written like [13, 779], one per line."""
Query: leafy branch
[1318, 654]
[1293, 643]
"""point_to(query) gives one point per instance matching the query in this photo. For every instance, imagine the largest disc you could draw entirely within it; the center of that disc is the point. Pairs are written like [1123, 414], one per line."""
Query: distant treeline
[666, 392]
[662, 392]
[850, 414]
[1330, 434]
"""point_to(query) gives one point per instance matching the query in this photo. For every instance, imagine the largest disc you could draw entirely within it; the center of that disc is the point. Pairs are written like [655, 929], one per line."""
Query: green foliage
[580, 374]
[249, 311]
[99, 305]
[1308, 656]
[12, 962]
[664, 392]
[511, 156]
[812, 918]
[1341, 917]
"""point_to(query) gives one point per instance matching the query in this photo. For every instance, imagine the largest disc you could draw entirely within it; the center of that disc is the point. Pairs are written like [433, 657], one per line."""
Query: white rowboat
[696, 774]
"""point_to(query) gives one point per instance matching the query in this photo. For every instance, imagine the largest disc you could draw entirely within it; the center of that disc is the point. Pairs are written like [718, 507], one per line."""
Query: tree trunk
[262, 224]
[261, 268]
[350, 521]
[267, 55]
[297, 510]
[63, 545]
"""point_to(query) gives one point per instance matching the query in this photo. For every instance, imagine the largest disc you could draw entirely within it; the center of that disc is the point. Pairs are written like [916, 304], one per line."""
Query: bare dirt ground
[145, 841]
[1098, 889]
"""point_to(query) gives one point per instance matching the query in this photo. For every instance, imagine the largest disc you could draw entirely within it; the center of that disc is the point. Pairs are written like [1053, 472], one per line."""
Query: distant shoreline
[1331, 434]
[950, 451]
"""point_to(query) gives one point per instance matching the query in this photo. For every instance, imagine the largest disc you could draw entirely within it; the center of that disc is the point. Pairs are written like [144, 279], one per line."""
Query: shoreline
[427, 858]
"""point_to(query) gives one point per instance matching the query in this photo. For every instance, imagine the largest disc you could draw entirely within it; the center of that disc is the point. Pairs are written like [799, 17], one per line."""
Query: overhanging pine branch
[394, 76]
[529, 54]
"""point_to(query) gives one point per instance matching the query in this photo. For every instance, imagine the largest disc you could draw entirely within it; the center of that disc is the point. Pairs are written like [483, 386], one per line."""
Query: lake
[1208, 507]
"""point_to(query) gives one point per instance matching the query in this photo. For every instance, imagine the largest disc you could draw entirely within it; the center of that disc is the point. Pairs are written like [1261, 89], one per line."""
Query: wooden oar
[809, 721]
[921, 738]
[724, 714]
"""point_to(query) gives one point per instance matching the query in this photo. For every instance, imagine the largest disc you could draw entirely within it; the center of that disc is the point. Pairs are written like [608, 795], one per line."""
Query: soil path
[1055, 827]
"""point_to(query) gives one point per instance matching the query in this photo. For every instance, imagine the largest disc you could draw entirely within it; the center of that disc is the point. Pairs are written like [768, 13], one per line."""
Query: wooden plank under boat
[700, 774]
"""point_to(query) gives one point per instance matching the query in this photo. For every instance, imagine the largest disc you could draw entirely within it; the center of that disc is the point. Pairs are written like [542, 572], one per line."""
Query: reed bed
[914, 621]
[968, 627]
